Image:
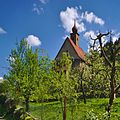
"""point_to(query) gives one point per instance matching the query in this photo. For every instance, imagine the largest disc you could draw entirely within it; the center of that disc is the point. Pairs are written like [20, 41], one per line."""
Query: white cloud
[1, 78]
[68, 16]
[114, 38]
[115, 35]
[91, 17]
[37, 9]
[80, 7]
[80, 26]
[33, 40]
[74, 13]
[65, 36]
[43, 1]
[89, 34]
[2, 31]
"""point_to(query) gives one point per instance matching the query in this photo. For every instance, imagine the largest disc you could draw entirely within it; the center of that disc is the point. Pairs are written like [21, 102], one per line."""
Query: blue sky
[45, 23]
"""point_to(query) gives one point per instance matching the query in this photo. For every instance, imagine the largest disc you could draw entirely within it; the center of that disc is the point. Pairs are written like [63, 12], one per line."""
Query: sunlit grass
[53, 110]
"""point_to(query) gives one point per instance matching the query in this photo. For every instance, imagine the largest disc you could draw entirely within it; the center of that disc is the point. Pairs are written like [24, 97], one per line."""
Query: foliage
[23, 72]
[3, 86]
[110, 54]
[64, 81]
[42, 91]
[98, 76]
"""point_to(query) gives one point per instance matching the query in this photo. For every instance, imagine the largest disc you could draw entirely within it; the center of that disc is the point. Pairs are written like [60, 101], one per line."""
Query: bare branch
[102, 49]
[93, 42]
[93, 38]
[101, 35]
[100, 42]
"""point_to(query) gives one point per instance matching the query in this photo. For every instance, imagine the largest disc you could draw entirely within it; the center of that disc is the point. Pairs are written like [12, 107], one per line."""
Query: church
[71, 46]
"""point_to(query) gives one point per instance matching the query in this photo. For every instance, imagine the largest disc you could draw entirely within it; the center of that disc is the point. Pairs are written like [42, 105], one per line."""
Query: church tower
[71, 45]
[74, 35]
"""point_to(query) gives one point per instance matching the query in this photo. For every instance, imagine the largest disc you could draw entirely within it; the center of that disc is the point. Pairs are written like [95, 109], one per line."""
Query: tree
[23, 72]
[81, 74]
[110, 53]
[44, 79]
[97, 75]
[64, 83]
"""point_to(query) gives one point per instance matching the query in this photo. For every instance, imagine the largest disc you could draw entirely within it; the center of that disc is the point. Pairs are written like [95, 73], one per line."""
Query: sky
[46, 23]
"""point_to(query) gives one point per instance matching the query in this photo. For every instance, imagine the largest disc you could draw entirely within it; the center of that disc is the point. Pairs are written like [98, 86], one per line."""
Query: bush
[10, 105]
[2, 99]
[18, 113]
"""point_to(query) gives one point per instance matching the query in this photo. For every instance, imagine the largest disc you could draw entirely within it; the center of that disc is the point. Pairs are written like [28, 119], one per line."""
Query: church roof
[77, 49]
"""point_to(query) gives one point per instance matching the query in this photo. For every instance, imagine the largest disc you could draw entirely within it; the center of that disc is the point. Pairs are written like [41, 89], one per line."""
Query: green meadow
[80, 111]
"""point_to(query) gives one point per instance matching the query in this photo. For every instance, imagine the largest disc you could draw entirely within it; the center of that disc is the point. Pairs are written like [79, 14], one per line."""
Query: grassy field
[53, 110]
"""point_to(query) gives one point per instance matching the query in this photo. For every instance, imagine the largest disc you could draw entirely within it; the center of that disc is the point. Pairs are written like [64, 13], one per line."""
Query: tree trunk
[83, 92]
[64, 110]
[27, 104]
[112, 90]
[111, 99]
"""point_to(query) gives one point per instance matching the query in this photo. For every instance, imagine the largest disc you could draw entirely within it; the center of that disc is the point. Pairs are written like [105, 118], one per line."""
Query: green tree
[81, 74]
[64, 83]
[23, 72]
[43, 91]
[97, 75]
[110, 53]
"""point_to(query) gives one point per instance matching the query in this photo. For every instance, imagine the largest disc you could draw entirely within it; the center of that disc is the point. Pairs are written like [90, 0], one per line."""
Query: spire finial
[74, 22]
[74, 29]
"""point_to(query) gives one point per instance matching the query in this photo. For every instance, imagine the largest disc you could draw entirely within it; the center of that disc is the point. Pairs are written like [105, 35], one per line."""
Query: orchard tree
[81, 74]
[43, 88]
[23, 72]
[64, 83]
[111, 60]
[97, 75]
[42, 91]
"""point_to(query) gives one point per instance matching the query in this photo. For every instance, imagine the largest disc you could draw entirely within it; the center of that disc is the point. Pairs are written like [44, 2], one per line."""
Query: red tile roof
[78, 50]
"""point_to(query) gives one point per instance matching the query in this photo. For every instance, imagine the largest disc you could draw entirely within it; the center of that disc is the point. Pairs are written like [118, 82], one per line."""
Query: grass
[53, 110]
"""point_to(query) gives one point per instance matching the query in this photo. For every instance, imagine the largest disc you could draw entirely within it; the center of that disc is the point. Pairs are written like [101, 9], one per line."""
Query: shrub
[2, 99]
[18, 113]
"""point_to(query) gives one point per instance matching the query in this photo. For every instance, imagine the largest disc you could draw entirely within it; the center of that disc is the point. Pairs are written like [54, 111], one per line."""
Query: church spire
[74, 28]
[74, 35]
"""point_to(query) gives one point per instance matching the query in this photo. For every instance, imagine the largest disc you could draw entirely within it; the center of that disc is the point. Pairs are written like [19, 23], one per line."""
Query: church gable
[67, 47]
